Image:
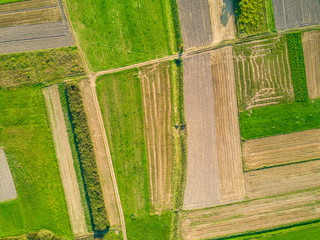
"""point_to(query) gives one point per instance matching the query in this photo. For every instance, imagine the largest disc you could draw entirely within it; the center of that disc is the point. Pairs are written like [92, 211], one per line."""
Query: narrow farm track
[65, 160]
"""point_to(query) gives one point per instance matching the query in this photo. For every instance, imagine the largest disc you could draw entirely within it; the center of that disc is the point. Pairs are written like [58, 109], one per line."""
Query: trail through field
[103, 157]
[282, 149]
[311, 50]
[253, 215]
[156, 92]
[7, 188]
[65, 160]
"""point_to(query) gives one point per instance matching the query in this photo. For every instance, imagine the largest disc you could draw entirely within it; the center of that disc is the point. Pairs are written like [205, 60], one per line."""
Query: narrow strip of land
[65, 160]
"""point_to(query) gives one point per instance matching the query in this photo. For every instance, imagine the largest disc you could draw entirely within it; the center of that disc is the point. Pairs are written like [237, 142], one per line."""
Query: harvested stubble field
[282, 149]
[24, 5]
[25, 135]
[263, 73]
[65, 160]
[156, 94]
[44, 15]
[282, 179]
[252, 215]
[214, 172]
[311, 50]
[296, 13]
[7, 188]
[121, 101]
[40, 66]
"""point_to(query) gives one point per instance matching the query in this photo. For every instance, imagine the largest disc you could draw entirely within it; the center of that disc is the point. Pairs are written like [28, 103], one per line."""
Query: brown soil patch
[227, 125]
[24, 5]
[251, 216]
[222, 20]
[311, 49]
[282, 149]
[101, 153]
[65, 160]
[37, 16]
[284, 179]
[7, 188]
[156, 92]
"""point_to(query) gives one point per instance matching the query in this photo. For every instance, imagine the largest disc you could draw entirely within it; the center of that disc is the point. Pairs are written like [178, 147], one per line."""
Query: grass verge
[27, 141]
[297, 66]
[87, 157]
[39, 66]
[270, 16]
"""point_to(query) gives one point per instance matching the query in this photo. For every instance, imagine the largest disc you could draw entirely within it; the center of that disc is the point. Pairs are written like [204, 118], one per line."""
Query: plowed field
[7, 188]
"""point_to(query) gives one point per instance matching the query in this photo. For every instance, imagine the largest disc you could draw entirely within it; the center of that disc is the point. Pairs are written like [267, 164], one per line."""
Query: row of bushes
[87, 157]
[298, 71]
[41, 235]
[176, 23]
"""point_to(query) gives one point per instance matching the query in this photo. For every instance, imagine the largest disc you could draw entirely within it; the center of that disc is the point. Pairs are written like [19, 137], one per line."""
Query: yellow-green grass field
[116, 33]
[27, 141]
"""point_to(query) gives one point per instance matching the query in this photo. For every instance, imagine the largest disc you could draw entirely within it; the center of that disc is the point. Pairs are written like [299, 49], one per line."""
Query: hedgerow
[176, 23]
[87, 157]
[298, 71]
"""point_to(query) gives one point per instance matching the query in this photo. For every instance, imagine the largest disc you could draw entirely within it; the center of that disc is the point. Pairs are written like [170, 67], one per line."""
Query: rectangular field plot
[296, 13]
[253, 215]
[7, 188]
[311, 49]
[283, 179]
[262, 73]
[282, 149]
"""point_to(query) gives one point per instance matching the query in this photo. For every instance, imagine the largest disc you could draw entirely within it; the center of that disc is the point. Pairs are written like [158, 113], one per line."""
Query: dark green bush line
[298, 71]
[87, 157]
[176, 23]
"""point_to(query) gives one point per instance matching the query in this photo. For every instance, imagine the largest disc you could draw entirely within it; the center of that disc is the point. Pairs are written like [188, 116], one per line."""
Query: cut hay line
[37, 16]
[282, 149]
[262, 214]
[311, 49]
[155, 82]
[283, 179]
[65, 160]
[7, 188]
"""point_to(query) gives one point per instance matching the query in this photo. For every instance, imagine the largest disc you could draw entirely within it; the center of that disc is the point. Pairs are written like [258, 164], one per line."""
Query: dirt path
[65, 160]
[7, 188]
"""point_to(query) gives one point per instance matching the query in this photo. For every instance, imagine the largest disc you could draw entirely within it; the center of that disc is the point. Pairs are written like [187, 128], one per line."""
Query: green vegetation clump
[279, 119]
[297, 66]
[120, 99]
[87, 157]
[26, 138]
[39, 66]
[250, 16]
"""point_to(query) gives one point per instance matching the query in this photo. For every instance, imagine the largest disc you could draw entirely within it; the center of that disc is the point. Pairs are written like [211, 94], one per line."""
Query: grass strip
[176, 24]
[10, 1]
[270, 16]
[280, 119]
[297, 66]
[87, 157]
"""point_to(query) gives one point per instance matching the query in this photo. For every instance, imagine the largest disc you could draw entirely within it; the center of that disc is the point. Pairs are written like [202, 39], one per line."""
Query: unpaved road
[65, 160]
[7, 188]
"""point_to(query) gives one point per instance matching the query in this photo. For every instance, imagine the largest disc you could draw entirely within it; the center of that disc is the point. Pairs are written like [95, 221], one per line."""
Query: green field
[39, 66]
[116, 33]
[26, 139]
[120, 99]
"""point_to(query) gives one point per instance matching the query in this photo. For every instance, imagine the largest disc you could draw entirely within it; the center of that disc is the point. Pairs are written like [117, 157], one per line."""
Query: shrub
[87, 157]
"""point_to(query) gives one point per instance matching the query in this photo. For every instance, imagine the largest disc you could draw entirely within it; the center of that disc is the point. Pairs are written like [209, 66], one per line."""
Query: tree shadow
[227, 11]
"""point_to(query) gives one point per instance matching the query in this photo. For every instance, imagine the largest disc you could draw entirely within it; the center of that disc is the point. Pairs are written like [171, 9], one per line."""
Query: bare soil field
[65, 160]
[203, 178]
[253, 215]
[311, 50]
[227, 125]
[263, 74]
[7, 188]
[282, 149]
[195, 23]
[222, 20]
[37, 16]
[283, 179]
[296, 13]
[156, 93]
[101, 152]
[24, 5]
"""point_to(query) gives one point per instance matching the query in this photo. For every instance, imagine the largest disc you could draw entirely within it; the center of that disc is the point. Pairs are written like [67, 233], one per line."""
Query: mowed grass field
[120, 99]
[27, 141]
[116, 33]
